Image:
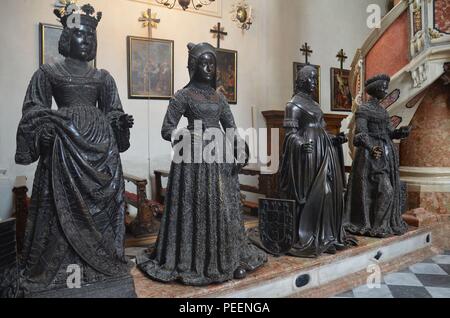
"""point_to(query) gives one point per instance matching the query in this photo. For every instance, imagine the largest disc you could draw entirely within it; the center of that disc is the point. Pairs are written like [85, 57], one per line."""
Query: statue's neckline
[206, 89]
[78, 68]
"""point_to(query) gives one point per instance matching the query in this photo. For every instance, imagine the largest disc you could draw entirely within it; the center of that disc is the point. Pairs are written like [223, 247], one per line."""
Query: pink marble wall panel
[391, 52]
[429, 142]
[442, 15]
[434, 202]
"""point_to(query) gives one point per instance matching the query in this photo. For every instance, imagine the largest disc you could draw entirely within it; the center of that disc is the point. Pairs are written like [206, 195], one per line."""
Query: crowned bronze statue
[76, 217]
[373, 204]
[202, 238]
[311, 174]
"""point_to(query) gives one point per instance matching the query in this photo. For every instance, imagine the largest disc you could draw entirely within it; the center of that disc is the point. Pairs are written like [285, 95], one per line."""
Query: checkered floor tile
[428, 279]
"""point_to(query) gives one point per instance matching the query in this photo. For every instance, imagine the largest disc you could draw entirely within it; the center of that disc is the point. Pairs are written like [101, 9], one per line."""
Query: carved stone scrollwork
[419, 75]
[359, 81]
[418, 34]
[434, 34]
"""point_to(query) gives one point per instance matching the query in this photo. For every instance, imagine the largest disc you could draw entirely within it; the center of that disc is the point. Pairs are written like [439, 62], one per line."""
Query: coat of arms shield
[277, 225]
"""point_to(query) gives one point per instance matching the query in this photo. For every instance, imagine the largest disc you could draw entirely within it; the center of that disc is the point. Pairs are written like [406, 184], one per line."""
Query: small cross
[342, 57]
[218, 32]
[306, 50]
[149, 21]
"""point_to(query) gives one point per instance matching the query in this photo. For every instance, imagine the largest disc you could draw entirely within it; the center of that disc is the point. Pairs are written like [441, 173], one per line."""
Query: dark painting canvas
[227, 74]
[150, 68]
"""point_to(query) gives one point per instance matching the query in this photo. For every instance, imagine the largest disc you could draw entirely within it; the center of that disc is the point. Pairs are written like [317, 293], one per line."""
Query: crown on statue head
[67, 8]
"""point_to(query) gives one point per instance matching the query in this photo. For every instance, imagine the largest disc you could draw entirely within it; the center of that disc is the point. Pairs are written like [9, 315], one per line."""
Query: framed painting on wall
[150, 68]
[227, 74]
[49, 35]
[297, 68]
[341, 98]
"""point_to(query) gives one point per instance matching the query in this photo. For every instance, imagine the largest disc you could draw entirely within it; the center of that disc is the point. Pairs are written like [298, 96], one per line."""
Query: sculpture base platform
[118, 288]
[326, 276]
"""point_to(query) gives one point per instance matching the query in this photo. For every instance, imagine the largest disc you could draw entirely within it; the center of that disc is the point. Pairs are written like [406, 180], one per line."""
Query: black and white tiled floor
[428, 279]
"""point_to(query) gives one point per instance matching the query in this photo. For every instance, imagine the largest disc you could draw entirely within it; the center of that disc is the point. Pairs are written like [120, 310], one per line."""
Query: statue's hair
[64, 44]
[303, 75]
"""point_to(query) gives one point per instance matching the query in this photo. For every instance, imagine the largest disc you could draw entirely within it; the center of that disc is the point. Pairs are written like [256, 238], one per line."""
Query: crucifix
[219, 32]
[149, 21]
[342, 57]
[306, 51]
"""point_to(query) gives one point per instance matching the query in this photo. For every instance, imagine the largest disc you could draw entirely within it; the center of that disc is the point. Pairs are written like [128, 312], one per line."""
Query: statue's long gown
[76, 215]
[202, 237]
[373, 205]
[315, 181]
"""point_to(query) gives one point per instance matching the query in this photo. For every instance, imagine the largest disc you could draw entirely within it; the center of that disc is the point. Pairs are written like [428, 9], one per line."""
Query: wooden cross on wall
[218, 32]
[341, 56]
[306, 51]
[149, 21]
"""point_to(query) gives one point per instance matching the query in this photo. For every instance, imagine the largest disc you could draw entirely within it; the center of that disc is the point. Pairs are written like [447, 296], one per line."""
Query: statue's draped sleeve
[362, 138]
[396, 133]
[241, 148]
[176, 110]
[226, 117]
[292, 121]
[109, 102]
[37, 104]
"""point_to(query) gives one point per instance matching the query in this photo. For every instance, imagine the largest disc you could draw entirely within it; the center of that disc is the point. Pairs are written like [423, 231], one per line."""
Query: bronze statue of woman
[311, 173]
[202, 238]
[77, 211]
[373, 206]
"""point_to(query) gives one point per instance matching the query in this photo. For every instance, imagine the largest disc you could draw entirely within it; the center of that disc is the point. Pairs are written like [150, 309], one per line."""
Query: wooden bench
[145, 223]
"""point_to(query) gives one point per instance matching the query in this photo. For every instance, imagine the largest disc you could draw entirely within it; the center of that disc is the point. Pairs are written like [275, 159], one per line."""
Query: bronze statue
[202, 238]
[77, 211]
[311, 173]
[373, 204]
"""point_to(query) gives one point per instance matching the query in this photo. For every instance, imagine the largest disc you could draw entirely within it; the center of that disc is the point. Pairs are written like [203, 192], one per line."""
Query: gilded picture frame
[150, 68]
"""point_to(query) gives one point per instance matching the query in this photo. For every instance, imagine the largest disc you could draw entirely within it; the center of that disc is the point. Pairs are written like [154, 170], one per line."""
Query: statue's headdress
[195, 51]
[380, 77]
[65, 9]
[374, 83]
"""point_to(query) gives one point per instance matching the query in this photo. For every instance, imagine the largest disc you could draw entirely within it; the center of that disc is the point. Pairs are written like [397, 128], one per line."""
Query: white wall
[266, 53]
[327, 26]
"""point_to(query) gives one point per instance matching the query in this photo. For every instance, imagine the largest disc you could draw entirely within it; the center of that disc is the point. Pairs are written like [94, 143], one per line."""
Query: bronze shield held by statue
[277, 225]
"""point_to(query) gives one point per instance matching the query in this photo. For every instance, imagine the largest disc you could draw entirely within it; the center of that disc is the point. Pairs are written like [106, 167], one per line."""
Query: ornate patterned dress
[76, 215]
[315, 181]
[373, 205]
[202, 237]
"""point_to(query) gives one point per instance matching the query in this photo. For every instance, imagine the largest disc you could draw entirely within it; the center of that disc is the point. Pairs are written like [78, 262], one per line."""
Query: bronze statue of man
[373, 206]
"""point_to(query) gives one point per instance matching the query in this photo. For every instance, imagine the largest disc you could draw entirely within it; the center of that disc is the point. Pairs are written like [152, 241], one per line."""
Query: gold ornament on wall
[149, 20]
[242, 14]
[184, 4]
